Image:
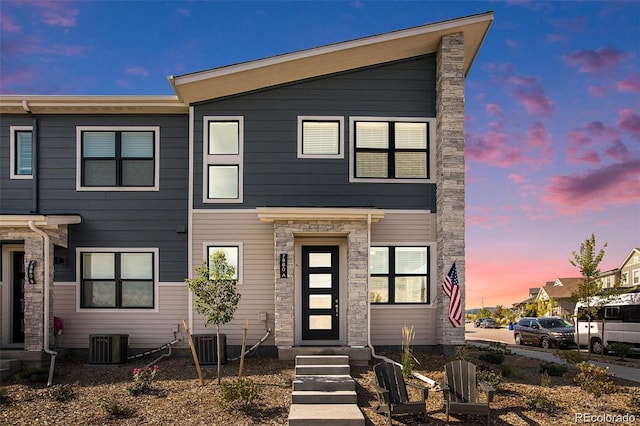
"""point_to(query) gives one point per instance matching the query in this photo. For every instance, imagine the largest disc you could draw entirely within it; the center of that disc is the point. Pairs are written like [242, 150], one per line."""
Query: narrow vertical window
[223, 157]
[21, 152]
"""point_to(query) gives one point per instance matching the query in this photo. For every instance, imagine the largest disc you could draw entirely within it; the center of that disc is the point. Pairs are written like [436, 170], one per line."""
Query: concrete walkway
[622, 372]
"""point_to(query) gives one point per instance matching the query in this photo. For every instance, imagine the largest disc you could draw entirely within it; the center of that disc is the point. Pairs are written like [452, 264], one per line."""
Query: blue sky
[553, 105]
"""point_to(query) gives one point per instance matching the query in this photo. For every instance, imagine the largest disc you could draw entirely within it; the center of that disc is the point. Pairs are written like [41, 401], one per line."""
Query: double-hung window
[320, 137]
[118, 279]
[391, 149]
[233, 256]
[399, 275]
[125, 159]
[223, 158]
[21, 147]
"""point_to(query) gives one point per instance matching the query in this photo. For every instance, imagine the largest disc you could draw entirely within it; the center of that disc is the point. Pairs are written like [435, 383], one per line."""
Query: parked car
[489, 323]
[477, 322]
[545, 332]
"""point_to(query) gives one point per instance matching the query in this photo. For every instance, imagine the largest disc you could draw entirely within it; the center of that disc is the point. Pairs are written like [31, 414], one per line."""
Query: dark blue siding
[109, 218]
[274, 176]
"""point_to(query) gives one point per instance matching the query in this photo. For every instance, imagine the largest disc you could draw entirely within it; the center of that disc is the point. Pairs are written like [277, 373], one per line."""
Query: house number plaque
[283, 265]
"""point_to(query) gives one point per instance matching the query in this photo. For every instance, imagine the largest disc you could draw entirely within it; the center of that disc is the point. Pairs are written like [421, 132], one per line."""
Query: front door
[17, 279]
[320, 292]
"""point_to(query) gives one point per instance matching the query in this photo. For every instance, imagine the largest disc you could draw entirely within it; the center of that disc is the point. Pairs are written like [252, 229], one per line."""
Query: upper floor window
[21, 147]
[117, 279]
[393, 149]
[223, 158]
[123, 159]
[399, 274]
[320, 137]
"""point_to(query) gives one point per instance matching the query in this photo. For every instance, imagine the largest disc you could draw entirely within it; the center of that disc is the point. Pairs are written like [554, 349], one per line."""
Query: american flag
[451, 288]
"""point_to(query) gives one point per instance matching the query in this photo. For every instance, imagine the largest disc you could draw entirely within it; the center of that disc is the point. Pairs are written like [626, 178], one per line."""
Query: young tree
[587, 260]
[216, 296]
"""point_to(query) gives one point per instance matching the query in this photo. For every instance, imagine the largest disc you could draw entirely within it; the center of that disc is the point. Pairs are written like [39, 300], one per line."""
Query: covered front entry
[321, 291]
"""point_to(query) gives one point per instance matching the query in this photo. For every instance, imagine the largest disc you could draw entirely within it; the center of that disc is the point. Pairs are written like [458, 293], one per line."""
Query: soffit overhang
[330, 59]
[274, 214]
[61, 104]
[40, 221]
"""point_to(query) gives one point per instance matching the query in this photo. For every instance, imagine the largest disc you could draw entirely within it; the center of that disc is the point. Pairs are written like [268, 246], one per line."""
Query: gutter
[47, 285]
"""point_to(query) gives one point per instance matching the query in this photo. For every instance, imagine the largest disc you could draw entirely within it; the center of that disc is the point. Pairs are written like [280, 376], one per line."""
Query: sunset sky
[553, 103]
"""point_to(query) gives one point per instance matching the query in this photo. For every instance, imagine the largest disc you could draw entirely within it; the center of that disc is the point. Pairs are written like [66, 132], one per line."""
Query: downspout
[47, 284]
[35, 198]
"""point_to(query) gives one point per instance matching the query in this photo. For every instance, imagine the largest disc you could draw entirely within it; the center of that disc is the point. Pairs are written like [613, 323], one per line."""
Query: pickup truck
[545, 332]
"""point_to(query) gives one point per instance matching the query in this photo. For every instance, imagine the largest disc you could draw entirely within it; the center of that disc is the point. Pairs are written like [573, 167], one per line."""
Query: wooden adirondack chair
[392, 392]
[460, 390]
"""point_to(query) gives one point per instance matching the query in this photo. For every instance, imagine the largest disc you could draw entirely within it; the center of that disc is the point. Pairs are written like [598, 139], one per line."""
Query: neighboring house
[626, 275]
[520, 308]
[560, 292]
[333, 179]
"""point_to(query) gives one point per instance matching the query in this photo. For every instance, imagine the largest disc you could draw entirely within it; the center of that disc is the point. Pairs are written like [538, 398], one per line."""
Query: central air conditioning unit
[207, 348]
[108, 348]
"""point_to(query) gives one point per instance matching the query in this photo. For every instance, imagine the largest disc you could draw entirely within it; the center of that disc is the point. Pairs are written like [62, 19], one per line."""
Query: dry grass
[81, 392]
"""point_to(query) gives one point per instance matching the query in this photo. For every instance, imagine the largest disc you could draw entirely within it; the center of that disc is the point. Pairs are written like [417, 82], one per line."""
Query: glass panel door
[320, 290]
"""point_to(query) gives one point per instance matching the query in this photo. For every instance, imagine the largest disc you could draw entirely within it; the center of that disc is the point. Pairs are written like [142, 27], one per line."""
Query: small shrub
[492, 357]
[461, 352]
[540, 403]
[500, 347]
[553, 369]
[506, 370]
[407, 358]
[490, 378]
[62, 393]
[4, 396]
[243, 390]
[595, 380]
[572, 357]
[620, 349]
[545, 380]
[33, 375]
[143, 380]
[115, 409]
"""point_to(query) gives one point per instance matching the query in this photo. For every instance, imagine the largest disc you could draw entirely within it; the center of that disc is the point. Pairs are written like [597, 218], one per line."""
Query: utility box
[108, 348]
[207, 348]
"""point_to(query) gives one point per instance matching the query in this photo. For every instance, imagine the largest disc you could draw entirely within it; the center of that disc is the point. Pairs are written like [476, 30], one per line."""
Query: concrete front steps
[324, 393]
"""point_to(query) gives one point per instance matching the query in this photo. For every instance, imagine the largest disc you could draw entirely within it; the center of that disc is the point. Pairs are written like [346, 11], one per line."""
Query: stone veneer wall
[450, 178]
[357, 267]
[34, 293]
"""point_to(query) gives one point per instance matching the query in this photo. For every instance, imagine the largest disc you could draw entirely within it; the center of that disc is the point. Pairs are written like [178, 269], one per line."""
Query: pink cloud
[494, 148]
[597, 91]
[629, 122]
[511, 43]
[493, 109]
[8, 25]
[530, 93]
[555, 38]
[137, 71]
[630, 84]
[57, 13]
[517, 178]
[615, 184]
[594, 60]
[538, 137]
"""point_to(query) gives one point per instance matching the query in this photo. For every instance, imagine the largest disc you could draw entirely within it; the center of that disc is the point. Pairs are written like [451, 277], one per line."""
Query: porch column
[34, 294]
[285, 287]
[450, 179]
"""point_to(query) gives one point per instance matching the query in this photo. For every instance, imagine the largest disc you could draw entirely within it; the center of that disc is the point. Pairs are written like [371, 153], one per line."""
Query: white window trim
[205, 254]
[156, 277]
[432, 276]
[13, 153]
[340, 119]
[156, 153]
[431, 148]
[221, 160]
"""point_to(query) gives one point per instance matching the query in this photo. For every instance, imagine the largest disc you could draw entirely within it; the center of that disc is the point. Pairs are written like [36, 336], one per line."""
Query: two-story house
[332, 178]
